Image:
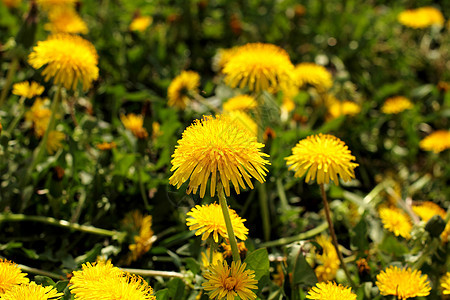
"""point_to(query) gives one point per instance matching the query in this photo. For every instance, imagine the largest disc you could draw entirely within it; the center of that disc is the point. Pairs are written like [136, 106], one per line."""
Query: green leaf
[162, 294]
[176, 288]
[61, 285]
[258, 261]
[359, 235]
[44, 280]
[193, 265]
[391, 245]
[302, 273]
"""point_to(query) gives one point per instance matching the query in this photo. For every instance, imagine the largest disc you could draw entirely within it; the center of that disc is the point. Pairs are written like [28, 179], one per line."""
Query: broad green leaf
[258, 261]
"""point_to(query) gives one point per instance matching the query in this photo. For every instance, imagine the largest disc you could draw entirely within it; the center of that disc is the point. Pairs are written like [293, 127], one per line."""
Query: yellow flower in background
[220, 148]
[421, 17]
[323, 155]
[156, 130]
[12, 3]
[142, 242]
[140, 23]
[313, 74]
[329, 260]
[217, 257]
[68, 59]
[396, 105]
[396, 221]
[10, 275]
[339, 108]
[182, 88]
[228, 282]
[241, 102]
[39, 114]
[426, 210]
[227, 252]
[27, 89]
[222, 57]
[106, 146]
[287, 105]
[330, 291]
[403, 283]
[445, 284]
[54, 141]
[244, 120]
[135, 124]
[31, 291]
[260, 67]
[437, 141]
[208, 219]
[65, 20]
[55, 4]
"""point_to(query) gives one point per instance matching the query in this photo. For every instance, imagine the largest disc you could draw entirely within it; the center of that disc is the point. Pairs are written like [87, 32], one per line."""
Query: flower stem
[299, 237]
[226, 216]
[333, 235]
[9, 78]
[18, 117]
[153, 273]
[40, 272]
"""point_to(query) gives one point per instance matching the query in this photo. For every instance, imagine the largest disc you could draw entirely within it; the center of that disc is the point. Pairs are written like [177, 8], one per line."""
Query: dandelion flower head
[339, 108]
[91, 276]
[54, 141]
[227, 252]
[222, 57]
[437, 141]
[330, 291]
[39, 114]
[56, 4]
[445, 284]
[12, 3]
[216, 258]
[396, 221]
[140, 23]
[220, 148]
[313, 74]
[65, 20]
[243, 120]
[31, 291]
[403, 283]
[10, 275]
[182, 88]
[422, 17]
[135, 123]
[324, 156]
[106, 146]
[260, 67]
[396, 105]
[68, 59]
[329, 261]
[426, 210]
[208, 219]
[142, 242]
[128, 286]
[27, 89]
[224, 282]
[241, 102]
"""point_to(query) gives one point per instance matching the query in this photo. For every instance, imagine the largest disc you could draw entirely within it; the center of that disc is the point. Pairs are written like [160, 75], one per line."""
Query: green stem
[153, 273]
[64, 224]
[226, 216]
[9, 78]
[333, 235]
[18, 117]
[211, 251]
[40, 272]
[299, 237]
[142, 188]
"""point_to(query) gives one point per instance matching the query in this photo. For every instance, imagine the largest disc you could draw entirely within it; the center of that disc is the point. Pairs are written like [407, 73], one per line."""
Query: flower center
[230, 283]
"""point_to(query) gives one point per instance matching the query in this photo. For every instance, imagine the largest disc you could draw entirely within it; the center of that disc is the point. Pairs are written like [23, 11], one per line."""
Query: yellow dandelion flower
[339, 108]
[396, 105]
[244, 120]
[437, 141]
[140, 23]
[222, 57]
[217, 145]
[92, 274]
[323, 155]
[135, 124]
[55, 4]
[143, 241]
[54, 141]
[39, 115]
[330, 291]
[31, 291]
[65, 20]
[445, 284]
[156, 130]
[329, 261]
[126, 287]
[396, 221]
[287, 105]
[12, 3]
[10, 275]
[229, 282]
[241, 102]
[260, 67]
[227, 252]
[208, 219]
[403, 283]
[27, 90]
[68, 59]
[313, 74]
[181, 89]
[421, 17]
[216, 258]
[106, 146]
[426, 210]
[278, 277]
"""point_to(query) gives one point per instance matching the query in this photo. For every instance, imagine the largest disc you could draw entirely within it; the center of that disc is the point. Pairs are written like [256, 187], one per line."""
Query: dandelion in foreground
[182, 88]
[313, 74]
[135, 123]
[340, 108]
[437, 141]
[31, 291]
[65, 20]
[208, 219]
[260, 67]
[241, 102]
[224, 282]
[330, 291]
[220, 148]
[27, 89]
[403, 283]
[422, 17]
[10, 275]
[140, 23]
[395, 105]
[396, 221]
[222, 57]
[329, 260]
[324, 156]
[445, 284]
[244, 120]
[54, 141]
[68, 59]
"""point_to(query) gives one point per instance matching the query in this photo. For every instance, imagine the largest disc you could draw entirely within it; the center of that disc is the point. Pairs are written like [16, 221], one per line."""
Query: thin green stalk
[153, 273]
[142, 188]
[40, 272]
[299, 237]
[18, 117]
[9, 78]
[333, 235]
[64, 224]
[211, 251]
[226, 216]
